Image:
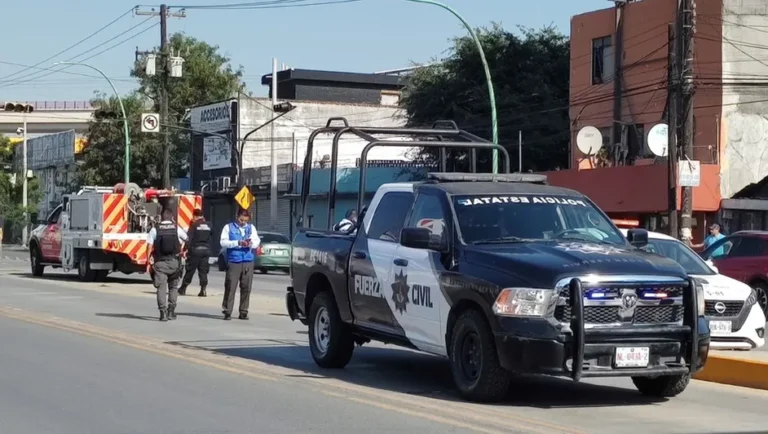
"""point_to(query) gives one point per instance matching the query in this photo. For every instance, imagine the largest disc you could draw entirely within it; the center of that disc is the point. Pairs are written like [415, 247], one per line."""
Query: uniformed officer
[165, 242]
[240, 239]
[198, 252]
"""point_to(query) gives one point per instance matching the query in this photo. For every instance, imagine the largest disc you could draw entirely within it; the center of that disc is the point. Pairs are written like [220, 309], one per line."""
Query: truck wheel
[35, 261]
[474, 360]
[84, 271]
[662, 387]
[330, 342]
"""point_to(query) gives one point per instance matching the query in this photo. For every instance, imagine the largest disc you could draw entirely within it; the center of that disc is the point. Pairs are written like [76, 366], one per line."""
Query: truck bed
[319, 253]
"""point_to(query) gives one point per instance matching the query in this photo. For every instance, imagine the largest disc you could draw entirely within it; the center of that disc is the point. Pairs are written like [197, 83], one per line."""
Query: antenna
[658, 140]
[589, 141]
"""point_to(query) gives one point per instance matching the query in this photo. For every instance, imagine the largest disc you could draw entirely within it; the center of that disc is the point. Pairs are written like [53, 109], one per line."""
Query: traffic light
[283, 107]
[18, 107]
[105, 115]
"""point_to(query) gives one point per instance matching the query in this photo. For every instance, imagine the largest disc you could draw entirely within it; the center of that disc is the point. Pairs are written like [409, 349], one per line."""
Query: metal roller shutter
[264, 222]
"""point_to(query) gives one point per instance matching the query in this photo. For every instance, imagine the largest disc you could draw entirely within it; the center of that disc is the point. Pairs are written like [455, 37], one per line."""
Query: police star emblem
[400, 291]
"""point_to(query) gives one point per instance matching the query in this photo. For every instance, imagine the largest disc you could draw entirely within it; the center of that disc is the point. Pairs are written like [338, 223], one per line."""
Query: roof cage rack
[442, 135]
[529, 178]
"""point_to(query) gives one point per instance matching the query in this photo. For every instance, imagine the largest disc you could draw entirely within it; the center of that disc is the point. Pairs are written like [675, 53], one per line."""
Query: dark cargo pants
[197, 261]
[237, 275]
[167, 278]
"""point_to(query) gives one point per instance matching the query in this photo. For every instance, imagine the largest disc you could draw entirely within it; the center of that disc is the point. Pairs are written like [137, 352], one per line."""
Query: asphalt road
[58, 382]
[93, 358]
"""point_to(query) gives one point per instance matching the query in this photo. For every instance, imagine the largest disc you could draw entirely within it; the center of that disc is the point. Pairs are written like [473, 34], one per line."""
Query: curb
[735, 372]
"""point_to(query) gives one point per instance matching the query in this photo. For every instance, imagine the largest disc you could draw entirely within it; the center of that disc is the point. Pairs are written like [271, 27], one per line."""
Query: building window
[602, 60]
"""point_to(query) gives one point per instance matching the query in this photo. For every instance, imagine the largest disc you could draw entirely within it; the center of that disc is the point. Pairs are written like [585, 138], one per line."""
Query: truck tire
[36, 261]
[474, 360]
[84, 271]
[662, 387]
[330, 342]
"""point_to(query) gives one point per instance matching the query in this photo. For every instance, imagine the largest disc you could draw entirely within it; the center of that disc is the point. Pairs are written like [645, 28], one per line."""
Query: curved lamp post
[491, 94]
[122, 108]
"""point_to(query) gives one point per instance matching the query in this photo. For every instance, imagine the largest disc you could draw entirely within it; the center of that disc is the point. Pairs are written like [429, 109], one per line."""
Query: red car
[743, 256]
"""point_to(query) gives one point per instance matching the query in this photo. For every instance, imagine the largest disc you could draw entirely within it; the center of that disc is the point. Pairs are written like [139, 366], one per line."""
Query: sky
[362, 36]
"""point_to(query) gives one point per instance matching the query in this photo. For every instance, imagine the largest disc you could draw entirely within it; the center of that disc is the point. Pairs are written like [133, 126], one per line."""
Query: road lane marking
[431, 408]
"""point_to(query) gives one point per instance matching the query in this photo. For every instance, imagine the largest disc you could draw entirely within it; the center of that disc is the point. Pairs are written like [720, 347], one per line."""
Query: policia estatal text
[198, 252]
[166, 242]
[240, 239]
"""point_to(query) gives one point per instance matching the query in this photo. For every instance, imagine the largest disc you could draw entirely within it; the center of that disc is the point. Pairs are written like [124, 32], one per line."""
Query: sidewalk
[13, 248]
[737, 368]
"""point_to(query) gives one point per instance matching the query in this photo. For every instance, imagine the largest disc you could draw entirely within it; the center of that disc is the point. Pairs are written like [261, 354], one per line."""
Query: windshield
[274, 238]
[678, 252]
[484, 218]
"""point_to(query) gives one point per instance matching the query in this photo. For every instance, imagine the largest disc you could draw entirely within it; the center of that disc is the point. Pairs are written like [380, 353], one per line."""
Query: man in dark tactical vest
[165, 241]
[198, 252]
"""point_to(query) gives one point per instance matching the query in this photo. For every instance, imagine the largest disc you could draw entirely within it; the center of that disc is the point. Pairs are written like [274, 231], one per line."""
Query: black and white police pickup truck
[502, 275]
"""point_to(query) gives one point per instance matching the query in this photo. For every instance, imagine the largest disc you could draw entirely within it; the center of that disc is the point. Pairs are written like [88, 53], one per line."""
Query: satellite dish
[658, 140]
[589, 141]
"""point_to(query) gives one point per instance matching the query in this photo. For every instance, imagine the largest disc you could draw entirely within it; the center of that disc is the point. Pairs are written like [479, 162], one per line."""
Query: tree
[6, 152]
[530, 74]
[11, 200]
[207, 77]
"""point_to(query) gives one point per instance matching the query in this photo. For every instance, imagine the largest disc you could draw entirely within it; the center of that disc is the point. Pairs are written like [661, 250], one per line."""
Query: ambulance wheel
[474, 360]
[36, 261]
[84, 271]
[330, 342]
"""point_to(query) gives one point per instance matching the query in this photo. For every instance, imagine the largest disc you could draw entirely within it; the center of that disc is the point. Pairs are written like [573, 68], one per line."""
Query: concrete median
[748, 369]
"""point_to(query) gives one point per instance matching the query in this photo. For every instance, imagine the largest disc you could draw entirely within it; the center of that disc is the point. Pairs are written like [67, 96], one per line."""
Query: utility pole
[165, 57]
[616, 136]
[25, 192]
[673, 97]
[273, 161]
[688, 24]
[520, 151]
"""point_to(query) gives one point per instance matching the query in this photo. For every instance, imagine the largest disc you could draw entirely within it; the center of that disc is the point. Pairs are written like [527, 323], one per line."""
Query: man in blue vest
[240, 239]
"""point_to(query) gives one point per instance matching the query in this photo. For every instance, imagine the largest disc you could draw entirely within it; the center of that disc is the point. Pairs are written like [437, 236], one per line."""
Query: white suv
[736, 320]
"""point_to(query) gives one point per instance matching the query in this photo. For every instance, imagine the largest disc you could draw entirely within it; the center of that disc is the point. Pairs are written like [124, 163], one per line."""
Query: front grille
[656, 304]
[610, 314]
[732, 308]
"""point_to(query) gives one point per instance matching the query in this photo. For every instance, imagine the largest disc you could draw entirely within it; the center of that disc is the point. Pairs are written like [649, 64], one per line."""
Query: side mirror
[712, 265]
[637, 237]
[420, 238]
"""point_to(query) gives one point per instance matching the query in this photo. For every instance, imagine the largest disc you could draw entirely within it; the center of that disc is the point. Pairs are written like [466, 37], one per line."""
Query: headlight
[524, 302]
[701, 304]
[752, 299]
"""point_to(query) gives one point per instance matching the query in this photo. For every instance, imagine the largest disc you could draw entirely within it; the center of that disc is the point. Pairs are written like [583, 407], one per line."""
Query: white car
[736, 321]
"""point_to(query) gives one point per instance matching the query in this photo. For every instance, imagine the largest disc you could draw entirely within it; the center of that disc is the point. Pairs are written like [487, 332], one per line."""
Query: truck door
[415, 275]
[371, 262]
[50, 242]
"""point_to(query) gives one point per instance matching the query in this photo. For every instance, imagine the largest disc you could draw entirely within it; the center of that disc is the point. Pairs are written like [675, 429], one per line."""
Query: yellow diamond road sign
[244, 198]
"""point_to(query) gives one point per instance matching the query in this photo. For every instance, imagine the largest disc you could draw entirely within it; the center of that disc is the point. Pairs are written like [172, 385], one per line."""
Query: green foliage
[6, 152]
[11, 200]
[530, 73]
[207, 77]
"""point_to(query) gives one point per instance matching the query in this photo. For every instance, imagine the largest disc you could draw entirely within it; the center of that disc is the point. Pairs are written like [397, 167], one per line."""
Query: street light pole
[25, 199]
[489, 82]
[122, 109]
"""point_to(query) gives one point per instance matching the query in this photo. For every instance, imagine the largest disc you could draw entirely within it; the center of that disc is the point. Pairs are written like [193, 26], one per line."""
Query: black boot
[243, 315]
[227, 315]
[183, 290]
[163, 315]
[171, 313]
[202, 292]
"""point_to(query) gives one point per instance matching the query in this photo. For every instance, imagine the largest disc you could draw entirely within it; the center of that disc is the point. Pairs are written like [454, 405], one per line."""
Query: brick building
[730, 110]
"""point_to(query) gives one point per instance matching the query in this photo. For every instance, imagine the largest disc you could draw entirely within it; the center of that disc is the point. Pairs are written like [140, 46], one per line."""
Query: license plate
[279, 252]
[720, 327]
[632, 357]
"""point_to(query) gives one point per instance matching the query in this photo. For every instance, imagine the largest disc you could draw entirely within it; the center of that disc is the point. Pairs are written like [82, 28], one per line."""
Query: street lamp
[491, 94]
[122, 108]
[22, 131]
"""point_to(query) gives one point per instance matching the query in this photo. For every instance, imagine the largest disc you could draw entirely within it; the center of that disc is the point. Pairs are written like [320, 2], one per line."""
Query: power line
[73, 58]
[68, 48]
[64, 72]
[276, 4]
[89, 57]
